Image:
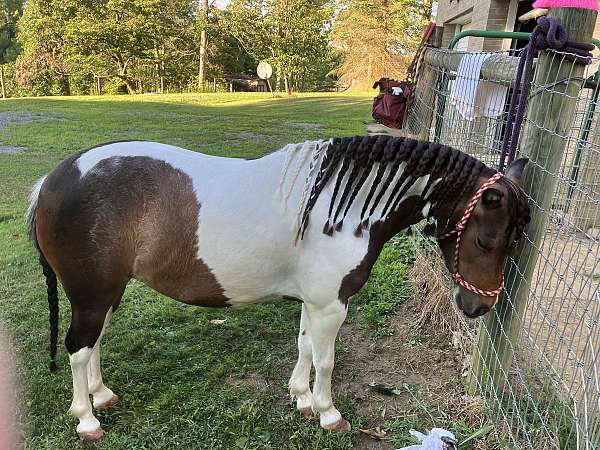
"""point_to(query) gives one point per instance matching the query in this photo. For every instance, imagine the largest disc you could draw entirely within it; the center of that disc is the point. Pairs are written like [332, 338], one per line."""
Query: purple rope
[548, 33]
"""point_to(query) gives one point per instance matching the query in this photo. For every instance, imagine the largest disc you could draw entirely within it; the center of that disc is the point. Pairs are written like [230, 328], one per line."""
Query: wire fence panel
[550, 397]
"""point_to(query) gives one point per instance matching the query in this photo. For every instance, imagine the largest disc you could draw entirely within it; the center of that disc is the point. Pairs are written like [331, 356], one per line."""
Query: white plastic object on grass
[437, 439]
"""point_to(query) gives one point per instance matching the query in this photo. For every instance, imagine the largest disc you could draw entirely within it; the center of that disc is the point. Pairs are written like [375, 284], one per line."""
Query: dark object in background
[389, 107]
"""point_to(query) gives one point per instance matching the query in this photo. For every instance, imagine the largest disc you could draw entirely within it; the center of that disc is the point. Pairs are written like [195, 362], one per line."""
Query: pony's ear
[514, 172]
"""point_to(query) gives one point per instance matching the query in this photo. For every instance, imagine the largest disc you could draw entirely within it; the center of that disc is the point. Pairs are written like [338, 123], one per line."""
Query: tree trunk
[277, 80]
[288, 86]
[127, 81]
[2, 81]
[157, 67]
[203, 43]
[64, 86]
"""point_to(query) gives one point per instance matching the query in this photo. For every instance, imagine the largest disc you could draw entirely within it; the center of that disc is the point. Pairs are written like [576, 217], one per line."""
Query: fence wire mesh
[549, 394]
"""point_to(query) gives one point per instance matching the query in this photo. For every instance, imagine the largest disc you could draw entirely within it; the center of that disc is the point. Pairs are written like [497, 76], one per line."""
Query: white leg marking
[81, 406]
[299, 382]
[325, 324]
[102, 394]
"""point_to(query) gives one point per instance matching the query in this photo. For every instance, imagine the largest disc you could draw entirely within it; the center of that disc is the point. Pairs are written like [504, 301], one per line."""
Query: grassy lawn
[186, 382]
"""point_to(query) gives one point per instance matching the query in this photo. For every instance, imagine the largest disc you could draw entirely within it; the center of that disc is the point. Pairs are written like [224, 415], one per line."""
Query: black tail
[53, 306]
[30, 217]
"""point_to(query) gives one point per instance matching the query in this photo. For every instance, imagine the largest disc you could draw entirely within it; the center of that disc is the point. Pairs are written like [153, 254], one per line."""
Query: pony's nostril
[481, 311]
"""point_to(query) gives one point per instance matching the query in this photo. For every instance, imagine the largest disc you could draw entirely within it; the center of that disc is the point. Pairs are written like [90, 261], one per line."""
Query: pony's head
[483, 230]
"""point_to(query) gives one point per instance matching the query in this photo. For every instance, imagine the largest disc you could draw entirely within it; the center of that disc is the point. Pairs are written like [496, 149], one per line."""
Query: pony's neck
[393, 208]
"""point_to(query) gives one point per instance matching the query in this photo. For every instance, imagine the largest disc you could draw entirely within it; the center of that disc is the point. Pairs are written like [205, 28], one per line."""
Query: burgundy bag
[389, 109]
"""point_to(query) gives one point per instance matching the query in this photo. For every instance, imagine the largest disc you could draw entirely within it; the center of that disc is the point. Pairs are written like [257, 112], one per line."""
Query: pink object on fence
[585, 4]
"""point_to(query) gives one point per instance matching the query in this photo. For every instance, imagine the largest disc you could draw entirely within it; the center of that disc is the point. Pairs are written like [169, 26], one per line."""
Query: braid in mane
[423, 168]
[360, 164]
[385, 156]
[369, 158]
[355, 158]
[442, 153]
[406, 147]
[408, 176]
[346, 161]
[447, 189]
[328, 166]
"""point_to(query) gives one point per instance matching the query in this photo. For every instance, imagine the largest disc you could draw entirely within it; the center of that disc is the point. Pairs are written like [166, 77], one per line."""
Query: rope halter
[458, 230]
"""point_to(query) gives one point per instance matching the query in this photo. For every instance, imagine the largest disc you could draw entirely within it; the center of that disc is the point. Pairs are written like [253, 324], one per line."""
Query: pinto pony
[305, 222]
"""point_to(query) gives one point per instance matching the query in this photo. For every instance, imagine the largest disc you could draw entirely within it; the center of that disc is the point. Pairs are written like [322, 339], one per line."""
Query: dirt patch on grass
[253, 380]
[305, 126]
[420, 362]
[23, 117]
[20, 118]
[11, 150]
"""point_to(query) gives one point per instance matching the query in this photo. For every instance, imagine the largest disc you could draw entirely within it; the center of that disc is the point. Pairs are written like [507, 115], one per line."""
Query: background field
[185, 382]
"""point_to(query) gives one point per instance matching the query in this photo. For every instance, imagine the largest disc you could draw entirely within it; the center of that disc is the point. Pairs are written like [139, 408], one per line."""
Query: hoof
[307, 412]
[340, 425]
[92, 437]
[109, 404]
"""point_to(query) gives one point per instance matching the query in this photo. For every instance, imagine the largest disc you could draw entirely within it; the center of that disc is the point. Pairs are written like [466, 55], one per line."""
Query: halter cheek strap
[458, 230]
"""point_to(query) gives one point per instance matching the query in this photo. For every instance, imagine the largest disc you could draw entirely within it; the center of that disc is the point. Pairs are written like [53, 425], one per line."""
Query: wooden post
[551, 111]
[230, 87]
[214, 85]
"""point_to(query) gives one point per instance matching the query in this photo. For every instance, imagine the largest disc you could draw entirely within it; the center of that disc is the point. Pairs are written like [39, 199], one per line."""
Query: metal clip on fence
[548, 34]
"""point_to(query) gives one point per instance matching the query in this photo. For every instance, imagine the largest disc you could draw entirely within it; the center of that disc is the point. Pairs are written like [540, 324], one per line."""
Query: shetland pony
[306, 222]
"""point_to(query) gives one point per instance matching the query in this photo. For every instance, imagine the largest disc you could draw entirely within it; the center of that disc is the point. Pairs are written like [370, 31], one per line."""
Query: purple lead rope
[548, 33]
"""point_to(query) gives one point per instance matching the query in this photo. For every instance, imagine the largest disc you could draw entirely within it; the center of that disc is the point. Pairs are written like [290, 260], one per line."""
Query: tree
[10, 11]
[377, 38]
[289, 34]
[203, 22]
[42, 64]
[126, 38]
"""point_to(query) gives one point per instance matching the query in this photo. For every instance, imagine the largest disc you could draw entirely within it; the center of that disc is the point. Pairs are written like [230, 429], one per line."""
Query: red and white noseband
[458, 229]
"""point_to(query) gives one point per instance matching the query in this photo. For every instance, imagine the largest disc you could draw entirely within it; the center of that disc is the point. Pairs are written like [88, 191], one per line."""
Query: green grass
[186, 383]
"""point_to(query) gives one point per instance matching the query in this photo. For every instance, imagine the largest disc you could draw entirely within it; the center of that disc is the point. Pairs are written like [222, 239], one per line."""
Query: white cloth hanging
[473, 97]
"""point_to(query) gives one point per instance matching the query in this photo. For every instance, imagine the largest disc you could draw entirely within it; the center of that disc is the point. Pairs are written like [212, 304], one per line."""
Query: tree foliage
[292, 35]
[131, 46]
[10, 11]
[377, 38]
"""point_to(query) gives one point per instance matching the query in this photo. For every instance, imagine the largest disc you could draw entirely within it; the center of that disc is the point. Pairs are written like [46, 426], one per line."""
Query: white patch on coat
[101, 394]
[243, 235]
[33, 201]
[81, 406]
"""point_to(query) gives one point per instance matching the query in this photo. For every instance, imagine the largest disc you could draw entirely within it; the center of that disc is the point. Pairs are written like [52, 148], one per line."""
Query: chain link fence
[541, 375]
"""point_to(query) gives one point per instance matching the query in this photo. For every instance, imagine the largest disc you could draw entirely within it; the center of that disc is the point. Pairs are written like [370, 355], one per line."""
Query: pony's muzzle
[471, 305]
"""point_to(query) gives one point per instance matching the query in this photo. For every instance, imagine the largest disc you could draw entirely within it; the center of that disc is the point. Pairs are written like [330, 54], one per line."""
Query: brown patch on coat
[166, 258]
[127, 217]
[407, 213]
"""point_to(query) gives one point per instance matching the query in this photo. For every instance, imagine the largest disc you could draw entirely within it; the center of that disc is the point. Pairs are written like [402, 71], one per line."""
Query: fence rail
[536, 357]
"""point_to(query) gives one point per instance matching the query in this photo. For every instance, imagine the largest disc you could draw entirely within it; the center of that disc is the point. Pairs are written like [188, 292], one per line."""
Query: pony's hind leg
[104, 398]
[300, 379]
[88, 317]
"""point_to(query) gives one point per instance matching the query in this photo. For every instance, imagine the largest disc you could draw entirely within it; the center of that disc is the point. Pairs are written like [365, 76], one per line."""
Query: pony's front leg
[300, 380]
[325, 324]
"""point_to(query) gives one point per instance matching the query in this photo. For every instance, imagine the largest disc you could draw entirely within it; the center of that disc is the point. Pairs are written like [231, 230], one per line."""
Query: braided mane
[348, 162]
